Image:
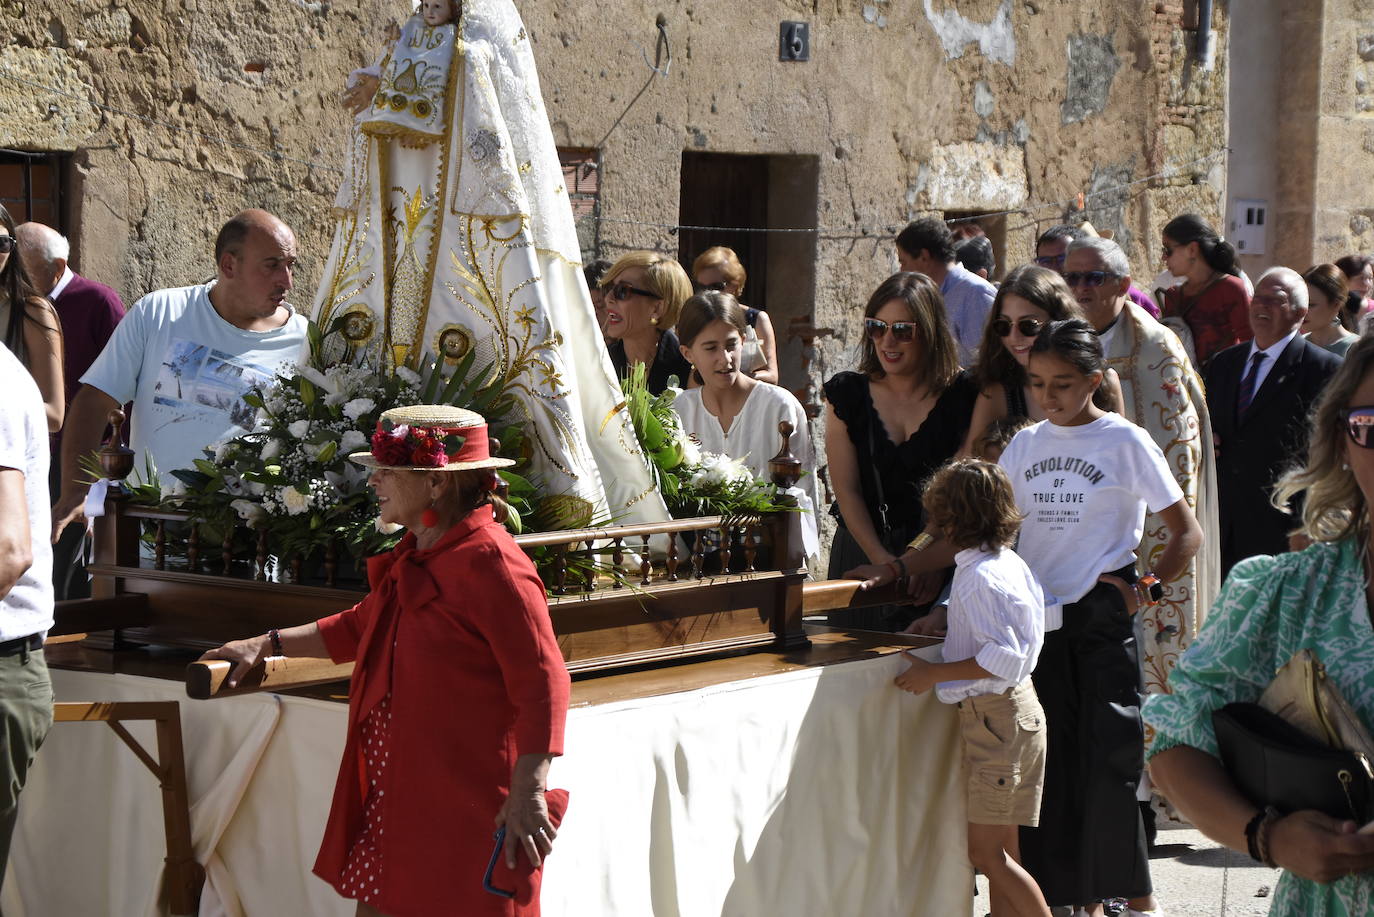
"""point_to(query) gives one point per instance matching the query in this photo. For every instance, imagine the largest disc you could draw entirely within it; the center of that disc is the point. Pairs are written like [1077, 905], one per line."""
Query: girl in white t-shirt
[1084, 478]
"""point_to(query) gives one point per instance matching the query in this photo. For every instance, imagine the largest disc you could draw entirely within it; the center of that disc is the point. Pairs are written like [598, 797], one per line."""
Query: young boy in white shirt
[996, 629]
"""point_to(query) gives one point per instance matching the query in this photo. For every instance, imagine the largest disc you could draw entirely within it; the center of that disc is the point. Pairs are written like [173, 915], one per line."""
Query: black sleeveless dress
[902, 468]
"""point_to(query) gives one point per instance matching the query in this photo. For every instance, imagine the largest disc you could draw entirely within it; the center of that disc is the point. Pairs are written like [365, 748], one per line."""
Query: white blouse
[753, 435]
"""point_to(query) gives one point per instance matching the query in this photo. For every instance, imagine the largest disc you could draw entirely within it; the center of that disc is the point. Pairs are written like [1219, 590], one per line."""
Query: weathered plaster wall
[905, 108]
[910, 108]
[1302, 111]
[1344, 193]
[146, 199]
[1257, 41]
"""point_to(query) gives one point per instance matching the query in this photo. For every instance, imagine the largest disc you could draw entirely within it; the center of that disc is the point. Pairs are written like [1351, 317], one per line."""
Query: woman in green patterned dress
[1269, 608]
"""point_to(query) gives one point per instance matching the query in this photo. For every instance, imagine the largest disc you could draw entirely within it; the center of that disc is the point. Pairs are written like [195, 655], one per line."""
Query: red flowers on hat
[416, 447]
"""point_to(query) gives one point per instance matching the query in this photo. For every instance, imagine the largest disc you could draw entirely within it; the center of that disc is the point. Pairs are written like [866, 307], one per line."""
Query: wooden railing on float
[687, 587]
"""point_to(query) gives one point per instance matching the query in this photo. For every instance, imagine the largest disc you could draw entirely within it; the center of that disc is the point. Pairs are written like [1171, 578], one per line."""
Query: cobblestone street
[1196, 877]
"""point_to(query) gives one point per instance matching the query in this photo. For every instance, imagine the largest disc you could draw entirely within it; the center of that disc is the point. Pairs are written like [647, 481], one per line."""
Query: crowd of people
[1058, 469]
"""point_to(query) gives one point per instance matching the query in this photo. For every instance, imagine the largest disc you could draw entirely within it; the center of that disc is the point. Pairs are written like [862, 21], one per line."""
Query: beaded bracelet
[898, 568]
[276, 642]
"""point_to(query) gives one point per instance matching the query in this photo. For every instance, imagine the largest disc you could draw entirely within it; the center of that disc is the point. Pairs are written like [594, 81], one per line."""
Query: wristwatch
[1151, 589]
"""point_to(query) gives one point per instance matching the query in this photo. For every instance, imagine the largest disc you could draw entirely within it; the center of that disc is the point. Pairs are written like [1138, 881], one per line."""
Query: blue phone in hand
[491, 866]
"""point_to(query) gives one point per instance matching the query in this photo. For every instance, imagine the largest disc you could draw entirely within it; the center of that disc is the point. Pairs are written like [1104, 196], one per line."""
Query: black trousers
[1090, 844]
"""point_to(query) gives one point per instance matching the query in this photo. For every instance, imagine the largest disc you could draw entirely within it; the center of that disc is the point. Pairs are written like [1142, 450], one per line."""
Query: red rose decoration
[422, 457]
[389, 449]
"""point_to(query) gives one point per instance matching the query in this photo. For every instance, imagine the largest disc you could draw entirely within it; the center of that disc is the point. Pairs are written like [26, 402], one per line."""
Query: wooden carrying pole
[205, 680]
[184, 877]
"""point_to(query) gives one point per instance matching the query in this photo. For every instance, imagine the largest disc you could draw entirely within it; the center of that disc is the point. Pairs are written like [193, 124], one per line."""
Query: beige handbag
[1302, 694]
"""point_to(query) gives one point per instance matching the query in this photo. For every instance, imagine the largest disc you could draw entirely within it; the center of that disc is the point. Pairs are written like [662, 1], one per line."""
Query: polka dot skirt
[362, 871]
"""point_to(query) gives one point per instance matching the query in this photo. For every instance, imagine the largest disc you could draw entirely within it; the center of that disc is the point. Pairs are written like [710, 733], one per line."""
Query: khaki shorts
[1004, 756]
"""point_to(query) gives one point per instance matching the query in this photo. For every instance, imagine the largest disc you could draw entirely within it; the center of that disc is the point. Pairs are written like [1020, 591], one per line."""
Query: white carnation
[221, 450]
[271, 449]
[358, 407]
[294, 501]
[299, 428]
[256, 488]
[352, 441]
[719, 471]
[691, 451]
[408, 374]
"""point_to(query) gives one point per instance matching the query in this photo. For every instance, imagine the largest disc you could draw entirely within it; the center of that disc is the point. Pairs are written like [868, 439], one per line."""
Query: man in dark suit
[1260, 394]
[89, 312]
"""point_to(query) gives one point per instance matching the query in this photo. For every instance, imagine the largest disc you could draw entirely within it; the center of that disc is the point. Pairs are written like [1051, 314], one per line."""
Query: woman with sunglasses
[31, 328]
[1084, 480]
[1271, 607]
[644, 294]
[1030, 298]
[1211, 304]
[718, 269]
[888, 427]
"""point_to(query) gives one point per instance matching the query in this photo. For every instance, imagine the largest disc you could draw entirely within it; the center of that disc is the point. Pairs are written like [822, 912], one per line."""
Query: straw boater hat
[430, 437]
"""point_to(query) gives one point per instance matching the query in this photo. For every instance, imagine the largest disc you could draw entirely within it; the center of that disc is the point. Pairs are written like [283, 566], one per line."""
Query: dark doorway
[994, 227]
[727, 190]
[31, 187]
[738, 192]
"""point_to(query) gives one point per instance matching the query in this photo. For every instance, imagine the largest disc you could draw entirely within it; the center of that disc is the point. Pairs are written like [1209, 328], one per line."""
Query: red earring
[430, 517]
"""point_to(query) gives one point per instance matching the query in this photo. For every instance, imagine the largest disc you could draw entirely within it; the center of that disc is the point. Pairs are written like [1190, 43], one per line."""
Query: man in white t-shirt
[186, 357]
[25, 586]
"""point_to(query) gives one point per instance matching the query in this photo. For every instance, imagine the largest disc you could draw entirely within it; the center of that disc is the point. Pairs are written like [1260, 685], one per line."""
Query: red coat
[476, 680]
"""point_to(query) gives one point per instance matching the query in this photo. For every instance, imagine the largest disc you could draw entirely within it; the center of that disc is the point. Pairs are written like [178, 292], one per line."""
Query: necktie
[1247, 385]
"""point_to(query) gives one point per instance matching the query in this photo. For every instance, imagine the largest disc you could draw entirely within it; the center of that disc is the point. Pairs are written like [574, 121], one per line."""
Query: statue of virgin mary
[454, 233]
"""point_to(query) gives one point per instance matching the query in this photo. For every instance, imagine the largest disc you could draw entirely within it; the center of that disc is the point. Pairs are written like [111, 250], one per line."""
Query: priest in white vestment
[1164, 395]
[454, 233]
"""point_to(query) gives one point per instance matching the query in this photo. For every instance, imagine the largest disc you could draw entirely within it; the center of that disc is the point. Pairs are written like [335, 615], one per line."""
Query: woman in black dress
[888, 427]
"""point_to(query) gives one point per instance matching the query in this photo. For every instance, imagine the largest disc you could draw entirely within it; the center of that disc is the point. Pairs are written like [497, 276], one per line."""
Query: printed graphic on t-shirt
[196, 379]
[1060, 489]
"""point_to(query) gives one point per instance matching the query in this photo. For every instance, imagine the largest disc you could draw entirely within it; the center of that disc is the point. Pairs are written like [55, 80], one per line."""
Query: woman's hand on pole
[243, 653]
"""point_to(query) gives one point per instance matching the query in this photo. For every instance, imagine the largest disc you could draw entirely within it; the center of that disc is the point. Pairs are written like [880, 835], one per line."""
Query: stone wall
[1049, 109]
[1344, 193]
[208, 108]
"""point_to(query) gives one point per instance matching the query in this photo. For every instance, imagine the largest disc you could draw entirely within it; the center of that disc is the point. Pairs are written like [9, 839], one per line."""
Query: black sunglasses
[623, 291]
[1029, 327]
[7, 244]
[902, 331]
[717, 287]
[1087, 278]
[1360, 422]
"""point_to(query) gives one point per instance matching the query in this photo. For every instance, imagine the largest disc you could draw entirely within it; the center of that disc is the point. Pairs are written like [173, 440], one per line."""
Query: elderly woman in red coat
[459, 693]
